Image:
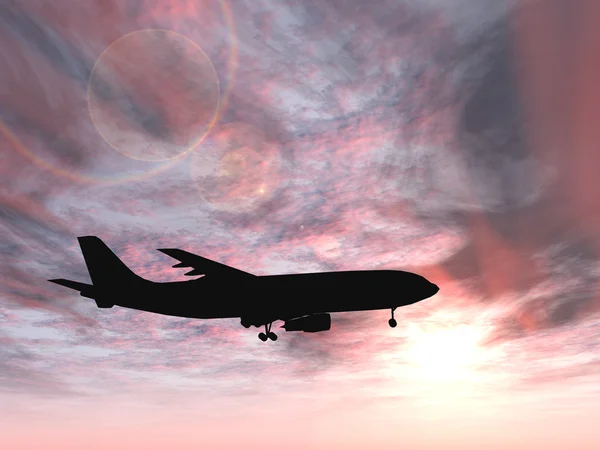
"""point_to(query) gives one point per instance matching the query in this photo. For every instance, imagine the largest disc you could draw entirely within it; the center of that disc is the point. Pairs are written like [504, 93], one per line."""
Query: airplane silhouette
[304, 302]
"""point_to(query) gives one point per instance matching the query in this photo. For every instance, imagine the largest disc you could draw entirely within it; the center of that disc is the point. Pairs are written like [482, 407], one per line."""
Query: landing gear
[392, 322]
[268, 334]
[245, 323]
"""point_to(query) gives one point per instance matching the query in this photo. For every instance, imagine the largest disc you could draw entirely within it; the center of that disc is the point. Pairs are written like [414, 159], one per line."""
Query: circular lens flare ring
[142, 106]
[27, 149]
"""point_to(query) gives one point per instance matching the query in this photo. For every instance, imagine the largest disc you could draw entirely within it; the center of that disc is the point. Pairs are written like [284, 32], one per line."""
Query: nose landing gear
[392, 322]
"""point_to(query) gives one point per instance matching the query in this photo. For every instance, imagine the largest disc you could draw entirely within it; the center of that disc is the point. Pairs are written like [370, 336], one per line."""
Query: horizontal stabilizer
[85, 289]
[71, 284]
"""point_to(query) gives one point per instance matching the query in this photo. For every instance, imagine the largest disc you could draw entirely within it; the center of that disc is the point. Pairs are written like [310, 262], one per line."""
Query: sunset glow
[454, 139]
[444, 354]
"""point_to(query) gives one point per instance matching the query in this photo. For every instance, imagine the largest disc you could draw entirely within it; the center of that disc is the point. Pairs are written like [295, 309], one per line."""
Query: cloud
[19, 374]
[399, 139]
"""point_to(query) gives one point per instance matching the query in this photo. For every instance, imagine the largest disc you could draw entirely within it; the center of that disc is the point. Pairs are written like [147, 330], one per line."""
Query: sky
[455, 139]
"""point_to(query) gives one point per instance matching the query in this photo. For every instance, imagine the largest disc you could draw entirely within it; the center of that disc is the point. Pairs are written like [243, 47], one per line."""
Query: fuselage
[303, 301]
[275, 296]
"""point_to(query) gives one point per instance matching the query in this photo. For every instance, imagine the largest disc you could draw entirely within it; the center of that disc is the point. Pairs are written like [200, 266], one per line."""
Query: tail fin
[104, 266]
[86, 290]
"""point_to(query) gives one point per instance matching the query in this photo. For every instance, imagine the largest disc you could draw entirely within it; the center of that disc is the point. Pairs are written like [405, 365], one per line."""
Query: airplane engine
[309, 324]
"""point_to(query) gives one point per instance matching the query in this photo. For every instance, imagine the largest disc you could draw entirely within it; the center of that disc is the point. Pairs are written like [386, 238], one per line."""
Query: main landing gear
[392, 321]
[268, 334]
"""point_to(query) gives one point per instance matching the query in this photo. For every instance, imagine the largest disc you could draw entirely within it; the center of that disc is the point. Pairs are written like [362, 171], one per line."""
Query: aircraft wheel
[272, 336]
[393, 323]
[262, 336]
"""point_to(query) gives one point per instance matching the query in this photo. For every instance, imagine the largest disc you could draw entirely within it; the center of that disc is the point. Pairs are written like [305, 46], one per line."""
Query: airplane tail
[105, 268]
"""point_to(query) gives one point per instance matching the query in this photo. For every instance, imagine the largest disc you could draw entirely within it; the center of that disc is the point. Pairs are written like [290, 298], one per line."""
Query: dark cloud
[564, 296]
[492, 131]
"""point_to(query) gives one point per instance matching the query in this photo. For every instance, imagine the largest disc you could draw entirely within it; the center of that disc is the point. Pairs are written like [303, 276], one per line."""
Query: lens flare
[153, 95]
[237, 169]
[35, 149]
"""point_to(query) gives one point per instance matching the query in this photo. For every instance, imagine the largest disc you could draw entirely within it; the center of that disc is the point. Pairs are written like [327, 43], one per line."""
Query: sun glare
[444, 354]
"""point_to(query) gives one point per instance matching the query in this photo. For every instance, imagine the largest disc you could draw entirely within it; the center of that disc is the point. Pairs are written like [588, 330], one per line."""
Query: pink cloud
[361, 148]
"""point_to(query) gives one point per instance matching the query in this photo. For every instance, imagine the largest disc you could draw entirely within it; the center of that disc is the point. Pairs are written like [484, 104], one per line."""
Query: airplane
[304, 302]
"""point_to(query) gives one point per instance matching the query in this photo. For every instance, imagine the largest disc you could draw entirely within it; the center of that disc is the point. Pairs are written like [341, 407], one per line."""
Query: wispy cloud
[349, 136]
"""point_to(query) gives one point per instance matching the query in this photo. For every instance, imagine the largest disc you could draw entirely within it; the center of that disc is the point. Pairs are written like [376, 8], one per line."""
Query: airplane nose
[435, 289]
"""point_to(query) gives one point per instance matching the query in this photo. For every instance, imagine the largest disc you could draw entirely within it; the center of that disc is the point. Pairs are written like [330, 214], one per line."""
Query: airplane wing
[201, 265]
